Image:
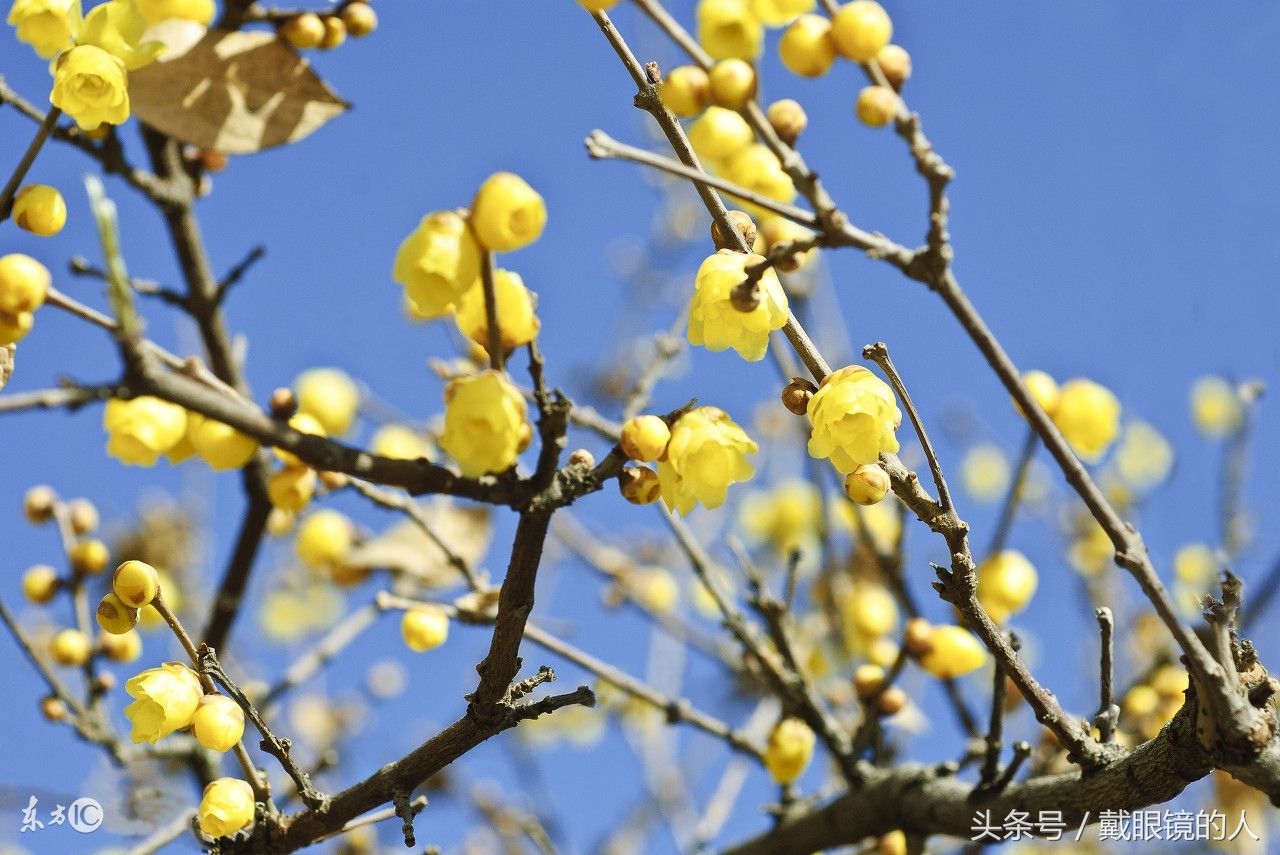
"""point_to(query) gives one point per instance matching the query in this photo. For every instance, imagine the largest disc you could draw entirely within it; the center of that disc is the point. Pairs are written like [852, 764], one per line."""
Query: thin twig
[491, 311]
[24, 163]
[1108, 713]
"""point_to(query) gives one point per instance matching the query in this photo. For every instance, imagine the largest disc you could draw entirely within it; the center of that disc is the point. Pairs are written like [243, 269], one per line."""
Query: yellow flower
[867, 485]
[89, 556]
[953, 652]
[868, 611]
[1091, 551]
[861, 29]
[324, 538]
[877, 106]
[141, 429]
[156, 11]
[732, 82]
[854, 417]
[24, 284]
[656, 588]
[714, 322]
[1088, 416]
[291, 488]
[424, 627]
[727, 29]
[70, 647]
[117, 27]
[226, 807]
[507, 213]
[329, 395]
[40, 209]
[986, 472]
[806, 47]
[779, 13]
[789, 750]
[220, 445]
[485, 423]
[516, 318]
[1044, 389]
[1006, 583]
[719, 133]
[757, 168]
[89, 86]
[706, 454]
[218, 722]
[1144, 457]
[437, 263]
[1215, 407]
[1196, 564]
[165, 700]
[400, 442]
[787, 517]
[46, 25]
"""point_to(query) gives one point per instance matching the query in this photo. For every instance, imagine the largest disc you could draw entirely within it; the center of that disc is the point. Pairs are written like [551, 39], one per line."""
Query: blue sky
[1113, 216]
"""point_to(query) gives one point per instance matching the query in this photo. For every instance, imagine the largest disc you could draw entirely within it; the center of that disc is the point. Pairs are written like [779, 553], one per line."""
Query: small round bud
[39, 209]
[82, 515]
[115, 617]
[284, 404]
[867, 484]
[525, 437]
[806, 46]
[797, 394]
[226, 807]
[789, 750]
[582, 459]
[424, 628]
[106, 681]
[40, 584]
[335, 33]
[324, 538]
[291, 489]
[38, 503]
[953, 652]
[136, 583]
[334, 480]
[303, 31]
[89, 556]
[895, 62]
[360, 19]
[917, 637]
[741, 221]
[125, 647]
[218, 722]
[788, 119]
[861, 29]
[639, 485]
[280, 522]
[53, 709]
[733, 83]
[70, 647]
[507, 213]
[892, 700]
[210, 160]
[893, 843]
[645, 438]
[686, 90]
[877, 106]
[14, 327]
[867, 680]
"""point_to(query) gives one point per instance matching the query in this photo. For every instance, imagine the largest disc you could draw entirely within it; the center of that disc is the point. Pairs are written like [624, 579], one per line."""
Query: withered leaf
[231, 91]
[7, 354]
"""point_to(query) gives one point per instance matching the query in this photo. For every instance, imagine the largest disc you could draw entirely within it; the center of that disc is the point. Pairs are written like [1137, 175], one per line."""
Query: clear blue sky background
[1113, 216]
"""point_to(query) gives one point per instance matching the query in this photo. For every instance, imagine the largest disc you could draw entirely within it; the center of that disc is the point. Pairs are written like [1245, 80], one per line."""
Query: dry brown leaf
[406, 548]
[7, 354]
[231, 91]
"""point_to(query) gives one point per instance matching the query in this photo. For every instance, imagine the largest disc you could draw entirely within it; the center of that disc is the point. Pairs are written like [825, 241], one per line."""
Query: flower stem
[28, 157]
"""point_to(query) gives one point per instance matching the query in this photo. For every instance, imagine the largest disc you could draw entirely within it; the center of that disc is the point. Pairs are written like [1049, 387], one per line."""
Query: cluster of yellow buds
[24, 285]
[1150, 704]
[329, 30]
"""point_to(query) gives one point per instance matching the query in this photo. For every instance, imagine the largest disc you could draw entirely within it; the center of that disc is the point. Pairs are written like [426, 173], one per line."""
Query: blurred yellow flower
[986, 473]
[1216, 408]
[1144, 457]
[1088, 416]
[786, 517]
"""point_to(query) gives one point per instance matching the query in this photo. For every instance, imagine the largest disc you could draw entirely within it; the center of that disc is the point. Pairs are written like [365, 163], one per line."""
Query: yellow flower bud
[335, 32]
[424, 627]
[757, 168]
[70, 647]
[706, 454]
[895, 62]
[302, 423]
[507, 213]
[639, 485]
[953, 652]
[597, 5]
[854, 416]
[1088, 416]
[156, 11]
[867, 484]
[291, 488]
[789, 750]
[82, 515]
[686, 90]
[719, 133]
[115, 616]
[218, 722]
[645, 438]
[1216, 408]
[226, 807]
[877, 106]
[14, 328]
[220, 445]
[38, 504]
[303, 31]
[125, 647]
[1140, 701]
[24, 284]
[893, 843]
[400, 442]
[985, 472]
[141, 429]
[786, 517]
[867, 680]
[1169, 681]
[324, 538]
[788, 120]
[89, 556]
[1044, 389]
[39, 209]
[779, 13]
[1144, 457]
[733, 83]
[135, 583]
[360, 19]
[714, 321]
[40, 584]
[437, 263]
[165, 699]
[1006, 583]
[516, 317]
[331, 396]
[484, 422]
[44, 24]
[806, 47]
[89, 86]
[869, 610]
[861, 29]
[728, 30]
